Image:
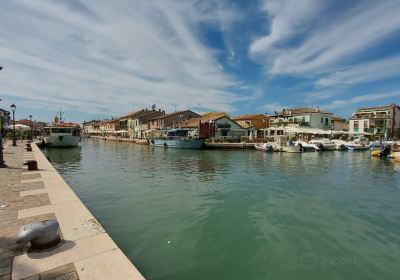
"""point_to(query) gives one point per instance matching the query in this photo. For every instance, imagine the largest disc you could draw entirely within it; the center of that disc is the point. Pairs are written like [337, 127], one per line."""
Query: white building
[302, 117]
[381, 120]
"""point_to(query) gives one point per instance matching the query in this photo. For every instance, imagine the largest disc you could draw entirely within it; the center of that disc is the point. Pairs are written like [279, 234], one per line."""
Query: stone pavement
[85, 250]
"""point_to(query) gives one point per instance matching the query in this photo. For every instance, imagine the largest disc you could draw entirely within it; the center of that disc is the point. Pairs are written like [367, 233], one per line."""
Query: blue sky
[97, 59]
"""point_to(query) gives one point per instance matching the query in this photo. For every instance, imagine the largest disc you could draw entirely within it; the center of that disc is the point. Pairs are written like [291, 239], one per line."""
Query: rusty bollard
[29, 147]
[32, 165]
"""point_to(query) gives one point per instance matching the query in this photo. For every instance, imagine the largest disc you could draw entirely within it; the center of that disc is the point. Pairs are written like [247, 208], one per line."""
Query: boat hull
[61, 140]
[263, 147]
[177, 143]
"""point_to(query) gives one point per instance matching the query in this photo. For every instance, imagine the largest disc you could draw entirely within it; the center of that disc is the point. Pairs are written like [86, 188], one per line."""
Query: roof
[295, 111]
[171, 114]
[378, 107]
[248, 116]
[336, 118]
[132, 114]
[213, 116]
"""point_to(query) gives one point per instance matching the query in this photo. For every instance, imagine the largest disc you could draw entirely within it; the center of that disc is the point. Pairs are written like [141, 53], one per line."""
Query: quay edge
[86, 244]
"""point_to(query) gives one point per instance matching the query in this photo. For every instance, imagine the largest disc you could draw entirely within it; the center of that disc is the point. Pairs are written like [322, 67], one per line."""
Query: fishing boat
[324, 144]
[177, 138]
[264, 147]
[61, 134]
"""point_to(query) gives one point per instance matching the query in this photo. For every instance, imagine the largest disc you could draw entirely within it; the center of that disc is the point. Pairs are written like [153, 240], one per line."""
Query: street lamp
[2, 164]
[30, 118]
[13, 107]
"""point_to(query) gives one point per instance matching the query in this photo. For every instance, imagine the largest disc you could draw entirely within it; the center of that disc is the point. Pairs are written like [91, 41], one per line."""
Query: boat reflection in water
[63, 156]
[177, 138]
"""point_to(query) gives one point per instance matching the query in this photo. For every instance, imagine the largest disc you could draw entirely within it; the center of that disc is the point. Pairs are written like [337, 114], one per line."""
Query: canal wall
[86, 247]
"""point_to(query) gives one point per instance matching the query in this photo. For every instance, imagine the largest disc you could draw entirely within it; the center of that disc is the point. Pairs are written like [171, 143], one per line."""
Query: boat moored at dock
[61, 135]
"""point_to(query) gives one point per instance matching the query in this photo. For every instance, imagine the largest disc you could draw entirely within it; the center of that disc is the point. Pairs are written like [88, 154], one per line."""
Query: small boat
[306, 147]
[324, 144]
[356, 146]
[292, 149]
[264, 147]
[177, 138]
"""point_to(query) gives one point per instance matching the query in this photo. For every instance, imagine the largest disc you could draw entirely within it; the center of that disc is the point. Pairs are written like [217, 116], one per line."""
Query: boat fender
[165, 145]
[301, 148]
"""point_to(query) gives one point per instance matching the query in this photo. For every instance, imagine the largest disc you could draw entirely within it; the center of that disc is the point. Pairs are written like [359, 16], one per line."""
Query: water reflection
[240, 214]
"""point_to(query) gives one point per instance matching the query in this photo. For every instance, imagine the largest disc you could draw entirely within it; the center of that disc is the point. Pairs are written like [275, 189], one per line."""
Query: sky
[100, 58]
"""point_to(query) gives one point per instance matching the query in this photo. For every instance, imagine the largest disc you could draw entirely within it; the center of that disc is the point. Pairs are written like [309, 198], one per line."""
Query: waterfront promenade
[86, 250]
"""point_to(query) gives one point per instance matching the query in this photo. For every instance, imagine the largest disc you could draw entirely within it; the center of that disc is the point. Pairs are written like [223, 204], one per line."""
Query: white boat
[350, 145]
[177, 138]
[264, 147]
[61, 135]
[324, 144]
[306, 147]
[356, 146]
[291, 149]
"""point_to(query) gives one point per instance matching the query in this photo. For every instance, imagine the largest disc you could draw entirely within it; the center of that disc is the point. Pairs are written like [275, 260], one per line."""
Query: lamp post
[13, 107]
[332, 128]
[30, 119]
[2, 163]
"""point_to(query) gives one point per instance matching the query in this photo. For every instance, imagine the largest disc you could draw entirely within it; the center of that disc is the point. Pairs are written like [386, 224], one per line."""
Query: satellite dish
[153, 106]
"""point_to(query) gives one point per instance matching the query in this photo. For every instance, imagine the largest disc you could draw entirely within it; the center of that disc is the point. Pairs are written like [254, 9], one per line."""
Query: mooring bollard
[32, 165]
[28, 145]
[29, 149]
[42, 235]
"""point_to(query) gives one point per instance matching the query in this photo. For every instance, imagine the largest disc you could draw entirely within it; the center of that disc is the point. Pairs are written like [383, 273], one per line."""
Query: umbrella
[20, 127]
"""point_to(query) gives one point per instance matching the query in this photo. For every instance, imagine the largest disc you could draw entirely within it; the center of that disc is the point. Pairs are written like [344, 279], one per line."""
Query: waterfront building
[91, 127]
[302, 117]
[138, 124]
[109, 127]
[380, 120]
[172, 120]
[258, 121]
[219, 126]
[339, 124]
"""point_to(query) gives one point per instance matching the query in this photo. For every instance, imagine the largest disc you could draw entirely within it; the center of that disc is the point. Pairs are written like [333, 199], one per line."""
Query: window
[322, 120]
[326, 121]
[356, 124]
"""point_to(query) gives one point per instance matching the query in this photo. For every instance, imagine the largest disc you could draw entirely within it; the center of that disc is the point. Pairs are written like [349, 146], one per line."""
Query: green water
[197, 214]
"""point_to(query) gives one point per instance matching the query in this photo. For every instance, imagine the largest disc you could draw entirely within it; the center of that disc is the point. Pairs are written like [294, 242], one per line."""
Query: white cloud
[288, 18]
[364, 72]
[329, 41]
[270, 108]
[348, 103]
[109, 55]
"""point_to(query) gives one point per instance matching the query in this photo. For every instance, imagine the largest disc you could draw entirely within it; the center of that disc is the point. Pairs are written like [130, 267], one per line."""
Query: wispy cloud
[109, 55]
[308, 38]
[363, 72]
[349, 103]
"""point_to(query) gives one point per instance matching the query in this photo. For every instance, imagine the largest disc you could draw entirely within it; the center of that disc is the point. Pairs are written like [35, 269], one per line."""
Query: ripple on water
[242, 214]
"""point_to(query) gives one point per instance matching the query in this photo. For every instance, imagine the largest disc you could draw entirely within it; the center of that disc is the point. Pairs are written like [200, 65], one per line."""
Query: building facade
[381, 120]
[172, 120]
[302, 117]
[140, 123]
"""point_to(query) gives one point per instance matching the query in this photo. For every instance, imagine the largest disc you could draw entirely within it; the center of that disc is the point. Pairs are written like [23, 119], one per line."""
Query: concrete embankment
[206, 145]
[86, 250]
[229, 145]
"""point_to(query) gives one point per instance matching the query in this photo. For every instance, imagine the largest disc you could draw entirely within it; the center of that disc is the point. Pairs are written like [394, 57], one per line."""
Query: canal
[214, 214]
